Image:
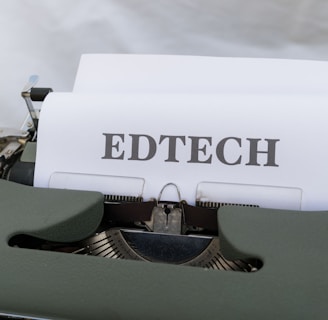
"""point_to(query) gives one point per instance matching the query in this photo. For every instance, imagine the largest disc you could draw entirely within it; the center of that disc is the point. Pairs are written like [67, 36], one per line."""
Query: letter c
[220, 151]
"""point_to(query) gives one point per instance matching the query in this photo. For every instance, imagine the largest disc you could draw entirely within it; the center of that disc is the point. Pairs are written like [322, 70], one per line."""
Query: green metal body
[292, 283]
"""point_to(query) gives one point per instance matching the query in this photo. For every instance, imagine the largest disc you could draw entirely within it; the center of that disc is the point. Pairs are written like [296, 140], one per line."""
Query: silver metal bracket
[167, 217]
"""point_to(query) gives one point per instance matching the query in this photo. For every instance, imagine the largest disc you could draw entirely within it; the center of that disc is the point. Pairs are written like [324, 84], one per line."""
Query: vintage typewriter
[206, 199]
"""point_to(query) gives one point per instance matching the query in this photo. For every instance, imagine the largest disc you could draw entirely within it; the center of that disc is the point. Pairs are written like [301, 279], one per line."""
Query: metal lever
[26, 94]
[29, 93]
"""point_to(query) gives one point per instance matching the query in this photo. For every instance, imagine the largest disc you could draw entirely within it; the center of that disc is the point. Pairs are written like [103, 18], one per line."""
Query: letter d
[135, 150]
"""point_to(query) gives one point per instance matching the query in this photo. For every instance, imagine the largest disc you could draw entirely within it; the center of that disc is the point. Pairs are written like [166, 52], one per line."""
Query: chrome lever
[26, 94]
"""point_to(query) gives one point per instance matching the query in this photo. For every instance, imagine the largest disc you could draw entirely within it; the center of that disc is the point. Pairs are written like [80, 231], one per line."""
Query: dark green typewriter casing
[292, 284]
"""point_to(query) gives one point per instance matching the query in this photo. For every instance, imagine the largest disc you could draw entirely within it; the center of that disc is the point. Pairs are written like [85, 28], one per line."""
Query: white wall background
[47, 37]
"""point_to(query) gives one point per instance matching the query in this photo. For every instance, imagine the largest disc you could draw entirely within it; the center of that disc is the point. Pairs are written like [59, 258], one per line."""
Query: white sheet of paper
[268, 148]
[128, 73]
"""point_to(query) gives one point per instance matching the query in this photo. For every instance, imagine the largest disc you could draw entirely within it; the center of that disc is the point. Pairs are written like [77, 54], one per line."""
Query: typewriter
[158, 189]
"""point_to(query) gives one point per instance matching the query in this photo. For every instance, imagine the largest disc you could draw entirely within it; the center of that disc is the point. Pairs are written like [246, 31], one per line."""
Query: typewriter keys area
[154, 231]
[165, 232]
[154, 247]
